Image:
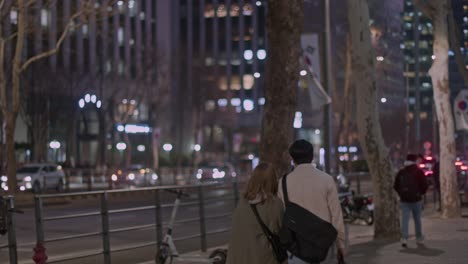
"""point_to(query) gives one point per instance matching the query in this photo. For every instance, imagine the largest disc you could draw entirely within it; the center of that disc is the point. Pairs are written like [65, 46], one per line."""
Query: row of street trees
[281, 84]
[17, 24]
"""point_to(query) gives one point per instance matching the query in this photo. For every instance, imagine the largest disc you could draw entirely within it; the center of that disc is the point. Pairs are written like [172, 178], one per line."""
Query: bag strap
[285, 189]
[265, 229]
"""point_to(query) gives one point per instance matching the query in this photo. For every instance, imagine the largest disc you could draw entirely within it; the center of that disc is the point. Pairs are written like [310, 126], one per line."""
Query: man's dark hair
[301, 151]
[412, 157]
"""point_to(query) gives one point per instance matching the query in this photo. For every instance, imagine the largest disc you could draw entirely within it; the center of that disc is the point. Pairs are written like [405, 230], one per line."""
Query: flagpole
[328, 144]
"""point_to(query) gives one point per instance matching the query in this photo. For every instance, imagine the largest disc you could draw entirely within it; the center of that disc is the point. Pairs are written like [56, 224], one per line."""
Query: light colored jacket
[248, 244]
[316, 191]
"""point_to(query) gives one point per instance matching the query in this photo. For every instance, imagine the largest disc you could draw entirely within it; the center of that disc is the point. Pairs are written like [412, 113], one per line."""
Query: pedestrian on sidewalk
[316, 192]
[248, 242]
[411, 185]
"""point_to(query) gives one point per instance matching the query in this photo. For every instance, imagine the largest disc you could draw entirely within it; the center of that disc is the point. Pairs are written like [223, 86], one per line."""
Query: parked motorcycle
[357, 207]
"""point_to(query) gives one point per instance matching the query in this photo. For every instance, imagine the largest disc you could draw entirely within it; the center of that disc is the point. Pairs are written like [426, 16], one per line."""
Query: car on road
[216, 171]
[135, 176]
[37, 176]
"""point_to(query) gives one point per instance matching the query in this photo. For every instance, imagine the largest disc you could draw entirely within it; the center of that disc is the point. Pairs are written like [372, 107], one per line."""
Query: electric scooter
[167, 251]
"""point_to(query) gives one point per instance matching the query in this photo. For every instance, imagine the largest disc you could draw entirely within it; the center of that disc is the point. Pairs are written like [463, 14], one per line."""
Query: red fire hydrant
[40, 256]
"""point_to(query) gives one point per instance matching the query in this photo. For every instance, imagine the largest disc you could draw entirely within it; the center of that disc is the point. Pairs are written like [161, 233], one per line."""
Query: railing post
[39, 219]
[201, 209]
[236, 193]
[44, 182]
[40, 256]
[358, 180]
[158, 217]
[67, 180]
[12, 246]
[90, 184]
[105, 229]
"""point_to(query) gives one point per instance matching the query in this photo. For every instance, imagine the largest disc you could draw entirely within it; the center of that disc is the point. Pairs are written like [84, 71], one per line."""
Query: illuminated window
[210, 105]
[44, 18]
[249, 81]
[14, 17]
[222, 11]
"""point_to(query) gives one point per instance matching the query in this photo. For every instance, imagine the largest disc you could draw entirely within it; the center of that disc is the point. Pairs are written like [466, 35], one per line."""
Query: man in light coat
[315, 191]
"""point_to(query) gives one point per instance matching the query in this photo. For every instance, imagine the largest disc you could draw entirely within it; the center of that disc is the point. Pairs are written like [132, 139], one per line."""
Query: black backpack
[408, 188]
[304, 234]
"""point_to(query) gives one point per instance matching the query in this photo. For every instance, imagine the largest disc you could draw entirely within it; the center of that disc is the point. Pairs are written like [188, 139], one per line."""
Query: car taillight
[458, 163]
[422, 166]
[427, 173]
[464, 167]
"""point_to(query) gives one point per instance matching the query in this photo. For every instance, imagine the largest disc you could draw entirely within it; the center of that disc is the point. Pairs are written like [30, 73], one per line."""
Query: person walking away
[248, 243]
[316, 192]
[411, 185]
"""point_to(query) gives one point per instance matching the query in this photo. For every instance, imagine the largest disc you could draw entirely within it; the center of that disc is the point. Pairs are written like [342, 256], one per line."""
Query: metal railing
[7, 220]
[105, 213]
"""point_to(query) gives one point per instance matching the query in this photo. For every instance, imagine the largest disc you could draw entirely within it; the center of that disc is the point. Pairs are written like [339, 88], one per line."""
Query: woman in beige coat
[248, 244]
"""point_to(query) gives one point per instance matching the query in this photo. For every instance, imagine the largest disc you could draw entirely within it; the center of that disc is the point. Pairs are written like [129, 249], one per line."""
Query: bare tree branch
[53, 51]
[3, 103]
[454, 37]
[30, 3]
[425, 8]
[22, 24]
[11, 37]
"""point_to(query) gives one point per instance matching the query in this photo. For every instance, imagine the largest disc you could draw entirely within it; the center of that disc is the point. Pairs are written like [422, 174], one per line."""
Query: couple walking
[268, 208]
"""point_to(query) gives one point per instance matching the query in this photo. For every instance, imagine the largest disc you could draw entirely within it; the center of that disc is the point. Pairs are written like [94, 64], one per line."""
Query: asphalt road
[67, 248]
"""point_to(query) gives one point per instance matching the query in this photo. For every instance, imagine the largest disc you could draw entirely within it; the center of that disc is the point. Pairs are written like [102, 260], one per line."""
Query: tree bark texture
[284, 27]
[439, 73]
[370, 133]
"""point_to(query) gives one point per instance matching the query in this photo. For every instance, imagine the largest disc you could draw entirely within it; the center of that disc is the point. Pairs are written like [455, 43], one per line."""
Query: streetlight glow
[121, 146]
[167, 147]
[261, 54]
[141, 148]
[248, 105]
[197, 147]
[54, 144]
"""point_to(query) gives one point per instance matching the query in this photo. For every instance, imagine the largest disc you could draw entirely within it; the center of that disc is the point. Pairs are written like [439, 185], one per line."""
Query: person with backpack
[313, 220]
[257, 220]
[411, 185]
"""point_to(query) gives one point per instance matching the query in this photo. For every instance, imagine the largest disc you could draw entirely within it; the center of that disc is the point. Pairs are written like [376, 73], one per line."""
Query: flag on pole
[310, 62]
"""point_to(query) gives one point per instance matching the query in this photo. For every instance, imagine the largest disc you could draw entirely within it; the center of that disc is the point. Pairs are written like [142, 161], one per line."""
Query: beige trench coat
[248, 244]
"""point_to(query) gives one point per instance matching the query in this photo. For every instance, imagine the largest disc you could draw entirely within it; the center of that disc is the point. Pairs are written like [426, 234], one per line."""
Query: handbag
[280, 253]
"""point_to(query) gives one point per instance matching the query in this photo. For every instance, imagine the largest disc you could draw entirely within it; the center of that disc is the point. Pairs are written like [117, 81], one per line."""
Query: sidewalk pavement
[446, 243]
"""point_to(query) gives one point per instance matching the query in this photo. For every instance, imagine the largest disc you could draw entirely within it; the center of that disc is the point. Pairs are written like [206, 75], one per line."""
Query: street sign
[460, 108]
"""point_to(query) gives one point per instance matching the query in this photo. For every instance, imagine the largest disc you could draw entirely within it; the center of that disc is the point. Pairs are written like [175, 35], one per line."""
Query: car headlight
[218, 174]
[4, 178]
[27, 178]
[154, 176]
[114, 177]
[131, 176]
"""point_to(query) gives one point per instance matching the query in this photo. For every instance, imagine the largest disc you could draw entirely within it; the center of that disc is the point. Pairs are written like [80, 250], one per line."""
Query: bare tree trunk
[370, 133]
[285, 21]
[440, 79]
[10, 123]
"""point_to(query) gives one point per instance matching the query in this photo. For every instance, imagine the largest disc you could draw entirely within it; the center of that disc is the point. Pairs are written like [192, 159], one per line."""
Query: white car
[36, 176]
